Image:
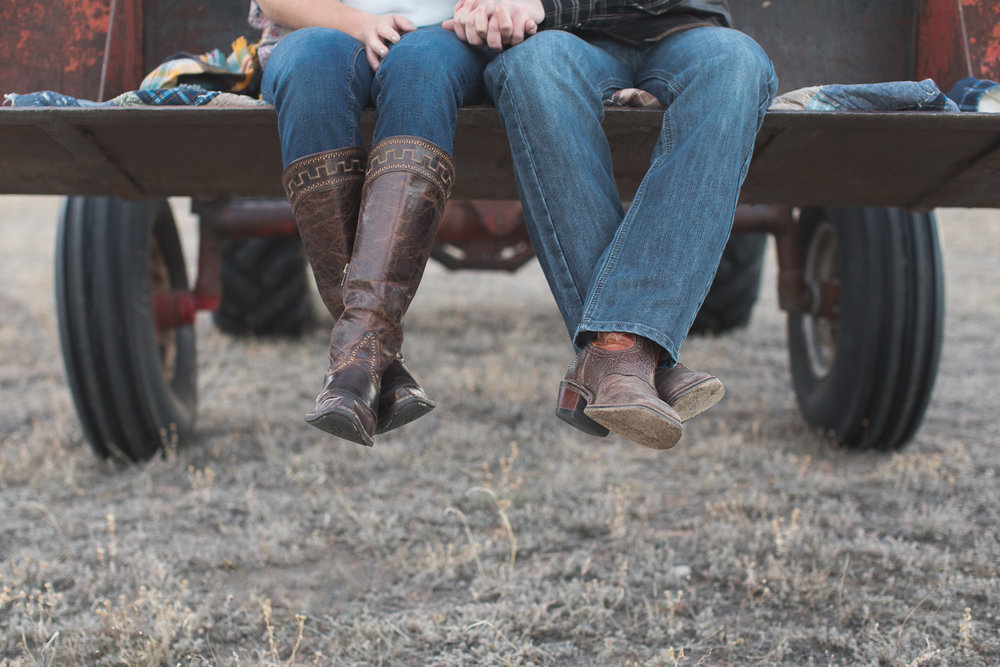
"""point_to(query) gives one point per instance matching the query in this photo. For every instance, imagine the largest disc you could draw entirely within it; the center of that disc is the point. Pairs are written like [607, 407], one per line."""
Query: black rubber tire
[734, 290]
[265, 288]
[135, 388]
[866, 376]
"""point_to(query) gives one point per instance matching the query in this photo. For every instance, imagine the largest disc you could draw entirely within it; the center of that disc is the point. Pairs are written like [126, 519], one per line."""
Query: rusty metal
[62, 45]
[106, 60]
[780, 221]
[825, 299]
[232, 219]
[479, 219]
[173, 309]
[482, 234]
[958, 39]
[246, 218]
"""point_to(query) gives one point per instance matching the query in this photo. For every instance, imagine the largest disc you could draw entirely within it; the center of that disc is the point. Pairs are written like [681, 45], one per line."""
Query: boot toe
[628, 406]
[694, 400]
[344, 416]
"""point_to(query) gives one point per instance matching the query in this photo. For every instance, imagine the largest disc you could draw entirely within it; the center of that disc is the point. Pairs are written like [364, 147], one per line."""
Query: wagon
[848, 196]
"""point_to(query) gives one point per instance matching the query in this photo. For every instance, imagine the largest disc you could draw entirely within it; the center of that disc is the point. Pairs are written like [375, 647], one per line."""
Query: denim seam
[534, 177]
[626, 224]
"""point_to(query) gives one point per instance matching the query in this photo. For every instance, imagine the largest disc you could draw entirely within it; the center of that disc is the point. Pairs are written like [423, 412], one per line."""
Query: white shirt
[421, 12]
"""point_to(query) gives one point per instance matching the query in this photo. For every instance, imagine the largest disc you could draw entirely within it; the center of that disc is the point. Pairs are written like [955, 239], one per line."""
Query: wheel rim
[822, 266]
[159, 280]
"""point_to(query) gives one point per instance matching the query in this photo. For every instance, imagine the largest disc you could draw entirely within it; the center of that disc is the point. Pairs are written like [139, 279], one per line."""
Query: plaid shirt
[634, 20]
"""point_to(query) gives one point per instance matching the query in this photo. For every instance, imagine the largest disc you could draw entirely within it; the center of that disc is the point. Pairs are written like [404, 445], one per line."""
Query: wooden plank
[94, 158]
[802, 158]
[868, 159]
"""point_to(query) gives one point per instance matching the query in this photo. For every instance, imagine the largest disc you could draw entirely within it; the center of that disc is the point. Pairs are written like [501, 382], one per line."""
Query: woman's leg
[422, 83]
[318, 80]
[417, 92]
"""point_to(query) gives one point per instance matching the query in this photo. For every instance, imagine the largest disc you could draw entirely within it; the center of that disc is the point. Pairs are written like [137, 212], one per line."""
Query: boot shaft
[324, 191]
[405, 191]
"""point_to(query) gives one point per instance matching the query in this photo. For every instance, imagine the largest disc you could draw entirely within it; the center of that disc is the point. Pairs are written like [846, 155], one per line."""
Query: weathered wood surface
[918, 159]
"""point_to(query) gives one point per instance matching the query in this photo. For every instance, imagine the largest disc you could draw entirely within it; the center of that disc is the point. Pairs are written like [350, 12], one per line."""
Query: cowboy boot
[324, 191]
[611, 384]
[687, 391]
[406, 186]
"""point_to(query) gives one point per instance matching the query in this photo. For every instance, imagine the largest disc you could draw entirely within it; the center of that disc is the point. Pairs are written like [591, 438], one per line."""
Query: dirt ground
[489, 533]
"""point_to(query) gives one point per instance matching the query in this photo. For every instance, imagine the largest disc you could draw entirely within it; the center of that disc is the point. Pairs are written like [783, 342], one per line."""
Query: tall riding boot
[406, 186]
[324, 191]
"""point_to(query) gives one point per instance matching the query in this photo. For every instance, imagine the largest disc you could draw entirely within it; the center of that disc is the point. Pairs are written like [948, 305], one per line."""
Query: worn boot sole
[403, 412]
[570, 408]
[638, 423]
[341, 421]
[697, 398]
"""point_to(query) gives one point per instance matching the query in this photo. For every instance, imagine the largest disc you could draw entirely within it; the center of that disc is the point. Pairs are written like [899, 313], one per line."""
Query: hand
[497, 23]
[379, 33]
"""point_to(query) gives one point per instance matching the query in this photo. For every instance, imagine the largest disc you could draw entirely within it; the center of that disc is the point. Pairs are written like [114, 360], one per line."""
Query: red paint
[59, 45]
[958, 40]
[178, 308]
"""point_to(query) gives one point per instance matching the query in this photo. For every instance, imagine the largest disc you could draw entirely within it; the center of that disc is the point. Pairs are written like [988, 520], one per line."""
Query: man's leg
[653, 276]
[549, 92]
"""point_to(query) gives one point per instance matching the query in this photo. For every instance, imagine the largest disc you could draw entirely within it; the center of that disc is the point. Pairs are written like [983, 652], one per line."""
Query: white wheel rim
[822, 265]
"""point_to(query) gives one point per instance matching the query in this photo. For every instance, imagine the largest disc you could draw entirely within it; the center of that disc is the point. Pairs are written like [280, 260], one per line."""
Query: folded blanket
[889, 96]
[182, 96]
[235, 72]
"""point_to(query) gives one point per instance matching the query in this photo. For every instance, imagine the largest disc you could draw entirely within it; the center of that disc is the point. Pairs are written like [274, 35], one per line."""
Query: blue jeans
[646, 271]
[319, 81]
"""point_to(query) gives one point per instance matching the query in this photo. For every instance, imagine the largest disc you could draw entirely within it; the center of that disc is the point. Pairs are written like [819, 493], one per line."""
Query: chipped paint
[59, 45]
[958, 40]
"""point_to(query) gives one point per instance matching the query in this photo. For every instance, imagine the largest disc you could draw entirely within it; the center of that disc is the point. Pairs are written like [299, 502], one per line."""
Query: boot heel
[569, 408]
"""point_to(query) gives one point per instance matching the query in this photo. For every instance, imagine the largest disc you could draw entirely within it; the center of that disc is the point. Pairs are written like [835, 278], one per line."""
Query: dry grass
[488, 532]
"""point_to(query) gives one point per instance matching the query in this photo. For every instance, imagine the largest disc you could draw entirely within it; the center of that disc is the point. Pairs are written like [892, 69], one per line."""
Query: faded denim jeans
[646, 271]
[319, 81]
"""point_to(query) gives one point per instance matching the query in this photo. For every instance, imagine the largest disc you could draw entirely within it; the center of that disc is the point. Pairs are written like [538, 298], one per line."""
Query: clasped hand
[497, 23]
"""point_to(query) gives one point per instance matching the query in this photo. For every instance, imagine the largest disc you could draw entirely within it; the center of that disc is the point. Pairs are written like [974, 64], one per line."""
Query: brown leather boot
[687, 391]
[614, 388]
[324, 191]
[406, 186]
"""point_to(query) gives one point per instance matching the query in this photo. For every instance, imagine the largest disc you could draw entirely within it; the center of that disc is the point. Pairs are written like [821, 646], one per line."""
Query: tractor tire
[265, 288]
[730, 301]
[134, 385]
[864, 363]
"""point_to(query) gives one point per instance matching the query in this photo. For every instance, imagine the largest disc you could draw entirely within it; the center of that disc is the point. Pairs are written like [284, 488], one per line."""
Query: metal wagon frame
[847, 196]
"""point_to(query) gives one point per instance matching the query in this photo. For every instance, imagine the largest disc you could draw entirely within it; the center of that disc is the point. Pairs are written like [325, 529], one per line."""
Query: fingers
[373, 56]
[459, 21]
[501, 27]
[480, 23]
[523, 26]
[386, 32]
[404, 24]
